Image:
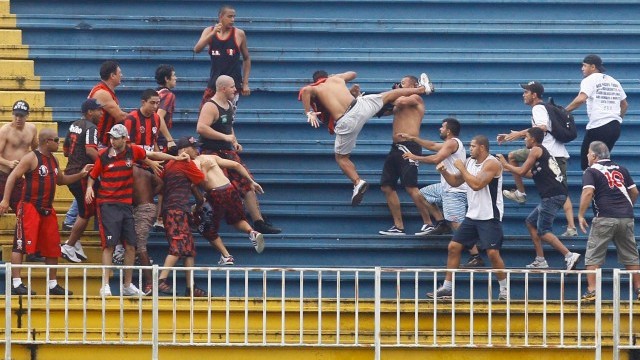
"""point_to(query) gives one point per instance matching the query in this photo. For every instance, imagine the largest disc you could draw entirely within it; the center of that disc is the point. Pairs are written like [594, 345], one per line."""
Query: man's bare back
[15, 142]
[145, 186]
[407, 116]
[334, 95]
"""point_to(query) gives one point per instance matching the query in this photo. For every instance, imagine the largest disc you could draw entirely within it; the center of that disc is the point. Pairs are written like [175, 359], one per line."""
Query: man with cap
[81, 147]
[114, 198]
[36, 220]
[532, 96]
[179, 178]
[16, 139]
[606, 106]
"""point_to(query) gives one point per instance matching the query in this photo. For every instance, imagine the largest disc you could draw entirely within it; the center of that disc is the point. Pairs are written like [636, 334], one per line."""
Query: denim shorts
[543, 215]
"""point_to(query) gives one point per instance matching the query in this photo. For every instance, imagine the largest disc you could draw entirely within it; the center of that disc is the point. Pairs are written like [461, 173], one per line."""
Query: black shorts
[487, 234]
[396, 167]
[78, 190]
[116, 224]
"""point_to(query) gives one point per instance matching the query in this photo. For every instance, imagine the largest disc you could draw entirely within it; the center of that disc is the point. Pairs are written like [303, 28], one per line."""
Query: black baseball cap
[593, 59]
[187, 141]
[534, 87]
[21, 107]
[90, 104]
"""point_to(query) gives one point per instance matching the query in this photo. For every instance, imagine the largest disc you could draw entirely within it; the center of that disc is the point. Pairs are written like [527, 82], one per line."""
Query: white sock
[446, 284]
[16, 282]
[520, 193]
[52, 284]
[540, 258]
[503, 284]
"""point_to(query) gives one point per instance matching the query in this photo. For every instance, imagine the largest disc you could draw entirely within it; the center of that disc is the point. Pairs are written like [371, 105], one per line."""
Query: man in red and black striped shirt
[114, 167]
[166, 78]
[104, 93]
[36, 220]
[143, 124]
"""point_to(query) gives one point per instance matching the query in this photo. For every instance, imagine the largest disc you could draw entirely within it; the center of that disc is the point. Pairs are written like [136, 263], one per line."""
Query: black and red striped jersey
[40, 184]
[168, 104]
[106, 120]
[143, 130]
[116, 174]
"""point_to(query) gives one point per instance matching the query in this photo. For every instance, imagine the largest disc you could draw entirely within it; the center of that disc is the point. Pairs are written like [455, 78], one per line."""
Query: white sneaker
[572, 261]
[132, 290]
[69, 253]
[570, 232]
[105, 290]
[513, 195]
[257, 240]
[428, 86]
[358, 192]
[538, 264]
[80, 251]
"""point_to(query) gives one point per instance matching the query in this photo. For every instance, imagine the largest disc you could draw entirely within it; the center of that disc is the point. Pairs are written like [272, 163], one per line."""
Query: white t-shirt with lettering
[604, 94]
[540, 116]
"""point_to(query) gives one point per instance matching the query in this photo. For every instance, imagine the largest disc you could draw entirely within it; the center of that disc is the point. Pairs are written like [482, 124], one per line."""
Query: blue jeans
[72, 214]
[543, 215]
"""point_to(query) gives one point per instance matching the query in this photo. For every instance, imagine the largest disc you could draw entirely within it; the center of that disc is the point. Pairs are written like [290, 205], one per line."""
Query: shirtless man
[104, 93]
[226, 42]
[16, 140]
[146, 185]
[225, 201]
[407, 117]
[329, 98]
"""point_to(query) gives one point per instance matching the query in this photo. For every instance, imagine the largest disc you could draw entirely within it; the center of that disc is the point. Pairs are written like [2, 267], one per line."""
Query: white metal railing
[309, 307]
[624, 309]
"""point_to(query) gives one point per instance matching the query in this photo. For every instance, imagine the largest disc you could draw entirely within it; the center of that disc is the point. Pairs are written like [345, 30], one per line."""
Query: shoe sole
[66, 257]
[357, 199]
[474, 266]
[391, 234]
[439, 297]
[575, 263]
[426, 82]
[259, 246]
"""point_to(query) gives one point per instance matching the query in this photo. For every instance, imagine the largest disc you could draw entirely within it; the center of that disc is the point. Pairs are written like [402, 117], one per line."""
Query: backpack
[563, 125]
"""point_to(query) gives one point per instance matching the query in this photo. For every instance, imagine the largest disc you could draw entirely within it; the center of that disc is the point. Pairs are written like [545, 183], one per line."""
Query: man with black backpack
[543, 116]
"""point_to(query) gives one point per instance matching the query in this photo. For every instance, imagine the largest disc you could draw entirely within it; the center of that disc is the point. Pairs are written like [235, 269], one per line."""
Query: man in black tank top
[546, 174]
[226, 43]
[215, 127]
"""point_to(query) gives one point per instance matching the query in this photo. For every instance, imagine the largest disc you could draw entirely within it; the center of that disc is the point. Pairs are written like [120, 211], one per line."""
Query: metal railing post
[154, 310]
[7, 310]
[598, 314]
[616, 314]
[377, 294]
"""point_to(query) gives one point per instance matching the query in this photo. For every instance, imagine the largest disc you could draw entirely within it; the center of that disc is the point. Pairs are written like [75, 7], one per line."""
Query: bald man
[215, 127]
[36, 221]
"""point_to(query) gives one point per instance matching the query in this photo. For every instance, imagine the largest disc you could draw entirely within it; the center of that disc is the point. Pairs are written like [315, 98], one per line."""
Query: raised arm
[205, 37]
[490, 169]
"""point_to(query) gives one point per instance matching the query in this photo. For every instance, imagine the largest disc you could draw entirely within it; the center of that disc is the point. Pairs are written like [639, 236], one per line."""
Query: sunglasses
[56, 140]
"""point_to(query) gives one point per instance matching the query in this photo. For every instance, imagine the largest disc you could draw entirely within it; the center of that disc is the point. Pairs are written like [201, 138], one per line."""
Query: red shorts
[179, 237]
[16, 194]
[225, 201]
[240, 182]
[36, 232]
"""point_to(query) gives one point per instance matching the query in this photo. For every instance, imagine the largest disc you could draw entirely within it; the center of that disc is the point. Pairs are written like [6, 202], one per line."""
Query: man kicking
[329, 98]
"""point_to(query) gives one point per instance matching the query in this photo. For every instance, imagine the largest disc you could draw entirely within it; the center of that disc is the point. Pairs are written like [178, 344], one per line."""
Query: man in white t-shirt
[532, 96]
[606, 105]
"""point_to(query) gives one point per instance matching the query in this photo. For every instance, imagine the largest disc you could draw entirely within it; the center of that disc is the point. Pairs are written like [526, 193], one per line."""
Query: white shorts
[349, 125]
[454, 204]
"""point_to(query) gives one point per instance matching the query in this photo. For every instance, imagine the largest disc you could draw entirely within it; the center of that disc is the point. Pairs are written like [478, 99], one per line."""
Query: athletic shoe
[441, 228]
[257, 240]
[475, 261]
[226, 260]
[59, 290]
[80, 251]
[428, 86]
[570, 232]
[589, 296]
[158, 225]
[67, 227]
[148, 289]
[426, 229]
[105, 290]
[164, 288]
[638, 294]
[358, 192]
[538, 264]
[197, 292]
[512, 195]
[69, 253]
[132, 290]
[264, 227]
[503, 295]
[118, 255]
[442, 293]
[572, 261]
[35, 257]
[393, 231]
[21, 290]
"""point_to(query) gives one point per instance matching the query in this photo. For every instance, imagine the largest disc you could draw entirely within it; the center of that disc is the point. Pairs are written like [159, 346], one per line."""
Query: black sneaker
[59, 290]
[197, 292]
[475, 261]
[67, 227]
[35, 257]
[21, 290]
[262, 227]
[441, 228]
